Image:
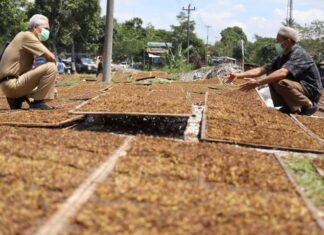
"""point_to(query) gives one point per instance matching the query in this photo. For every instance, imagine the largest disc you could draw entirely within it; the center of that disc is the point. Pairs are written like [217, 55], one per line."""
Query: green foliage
[179, 34]
[261, 51]
[176, 60]
[312, 39]
[308, 178]
[71, 22]
[13, 19]
[129, 40]
[230, 43]
[290, 22]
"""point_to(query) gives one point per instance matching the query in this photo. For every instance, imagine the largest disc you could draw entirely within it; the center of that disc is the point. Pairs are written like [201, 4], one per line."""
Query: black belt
[7, 78]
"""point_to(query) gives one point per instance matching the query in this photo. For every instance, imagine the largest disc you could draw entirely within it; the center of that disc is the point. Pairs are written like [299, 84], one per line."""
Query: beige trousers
[289, 93]
[38, 83]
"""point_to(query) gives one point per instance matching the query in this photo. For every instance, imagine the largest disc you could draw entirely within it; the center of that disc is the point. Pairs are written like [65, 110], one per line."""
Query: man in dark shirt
[294, 80]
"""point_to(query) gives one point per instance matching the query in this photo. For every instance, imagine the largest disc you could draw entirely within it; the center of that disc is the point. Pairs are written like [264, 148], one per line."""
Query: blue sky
[261, 17]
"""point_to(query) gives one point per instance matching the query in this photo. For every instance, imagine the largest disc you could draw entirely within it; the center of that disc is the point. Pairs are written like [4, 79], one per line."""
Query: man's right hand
[49, 56]
[231, 77]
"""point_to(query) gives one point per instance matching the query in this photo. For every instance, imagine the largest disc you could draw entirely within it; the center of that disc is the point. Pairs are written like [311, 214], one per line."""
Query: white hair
[37, 19]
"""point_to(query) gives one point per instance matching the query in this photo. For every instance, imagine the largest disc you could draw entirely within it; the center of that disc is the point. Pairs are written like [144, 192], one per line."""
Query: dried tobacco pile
[55, 116]
[122, 77]
[319, 163]
[240, 117]
[193, 86]
[139, 99]
[81, 91]
[35, 180]
[67, 99]
[314, 124]
[169, 187]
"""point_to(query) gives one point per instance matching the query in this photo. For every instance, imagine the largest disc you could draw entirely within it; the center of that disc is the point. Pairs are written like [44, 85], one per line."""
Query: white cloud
[308, 16]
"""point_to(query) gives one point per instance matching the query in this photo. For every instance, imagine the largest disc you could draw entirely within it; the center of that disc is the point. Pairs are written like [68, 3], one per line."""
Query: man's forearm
[274, 77]
[253, 73]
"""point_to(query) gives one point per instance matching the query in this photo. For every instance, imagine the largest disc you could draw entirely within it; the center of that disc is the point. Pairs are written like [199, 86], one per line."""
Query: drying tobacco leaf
[240, 117]
[314, 124]
[81, 91]
[64, 143]
[37, 117]
[122, 77]
[319, 162]
[40, 168]
[135, 201]
[139, 99]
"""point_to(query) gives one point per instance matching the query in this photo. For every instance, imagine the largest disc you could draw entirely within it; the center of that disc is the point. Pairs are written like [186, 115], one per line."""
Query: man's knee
[281, 86]
[51, 68]
[280, 83]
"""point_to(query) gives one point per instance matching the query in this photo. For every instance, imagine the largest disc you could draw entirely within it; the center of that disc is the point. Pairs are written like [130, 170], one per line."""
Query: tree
[129, 40]
[179, 34]
[261, 51]
[312, 39]
[290, 22]
[73, 23]
[13, 18]
[230, 43]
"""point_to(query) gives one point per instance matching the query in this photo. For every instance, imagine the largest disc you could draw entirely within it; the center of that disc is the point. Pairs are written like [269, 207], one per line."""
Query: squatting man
[293, 78]
[18, 80]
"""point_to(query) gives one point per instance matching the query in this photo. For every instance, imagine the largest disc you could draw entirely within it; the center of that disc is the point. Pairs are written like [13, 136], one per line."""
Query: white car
[124, 64]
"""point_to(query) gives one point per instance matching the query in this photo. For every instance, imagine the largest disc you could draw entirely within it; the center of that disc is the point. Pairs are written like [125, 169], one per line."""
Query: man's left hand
[249, 85]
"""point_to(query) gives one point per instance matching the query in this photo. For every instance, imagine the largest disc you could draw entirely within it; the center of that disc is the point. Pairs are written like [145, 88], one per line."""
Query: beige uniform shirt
[19, 56]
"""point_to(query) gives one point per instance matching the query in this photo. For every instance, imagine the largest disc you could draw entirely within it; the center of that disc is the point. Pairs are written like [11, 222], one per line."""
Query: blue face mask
[279, 49]
[44, 35]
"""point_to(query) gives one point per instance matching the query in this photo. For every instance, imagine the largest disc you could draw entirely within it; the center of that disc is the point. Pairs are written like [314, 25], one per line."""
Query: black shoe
[40, 104]
[309, 110]
[285, 110]
[16, 103]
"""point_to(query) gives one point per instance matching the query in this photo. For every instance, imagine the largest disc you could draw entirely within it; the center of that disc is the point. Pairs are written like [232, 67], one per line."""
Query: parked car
[68, 65]
[85, 65]
[123, 64]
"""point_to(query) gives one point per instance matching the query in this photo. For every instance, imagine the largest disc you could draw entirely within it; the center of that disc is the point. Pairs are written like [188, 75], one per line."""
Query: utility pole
[108, 41]
[242, 47]
[290, 13]
[207, 27]
[189, 9]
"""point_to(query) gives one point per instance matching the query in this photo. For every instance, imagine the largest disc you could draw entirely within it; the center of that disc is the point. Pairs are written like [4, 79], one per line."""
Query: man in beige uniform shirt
[18, 81]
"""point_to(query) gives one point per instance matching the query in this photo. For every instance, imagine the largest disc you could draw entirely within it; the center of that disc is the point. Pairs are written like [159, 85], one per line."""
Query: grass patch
[308, 178]
[66, 83]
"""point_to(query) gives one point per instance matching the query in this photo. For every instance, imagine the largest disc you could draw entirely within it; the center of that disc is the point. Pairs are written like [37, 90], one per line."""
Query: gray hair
[37, 19]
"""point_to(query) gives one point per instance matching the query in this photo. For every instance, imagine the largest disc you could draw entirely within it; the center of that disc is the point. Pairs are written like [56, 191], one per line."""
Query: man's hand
[49, 56]
[231, 77]
[249, 85]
